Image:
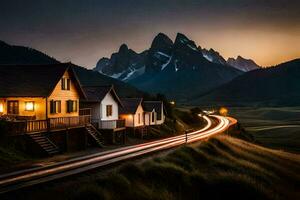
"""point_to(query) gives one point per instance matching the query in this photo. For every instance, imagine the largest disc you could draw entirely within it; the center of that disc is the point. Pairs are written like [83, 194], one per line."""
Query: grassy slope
[222, 168]
[273, 127]
[9, 156]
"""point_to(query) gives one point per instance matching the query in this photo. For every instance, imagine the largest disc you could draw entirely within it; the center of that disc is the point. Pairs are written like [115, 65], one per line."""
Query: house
[105, 105]
[39, 92]
[132, 112]
[139, 114]
[38, 99]
[154, 112]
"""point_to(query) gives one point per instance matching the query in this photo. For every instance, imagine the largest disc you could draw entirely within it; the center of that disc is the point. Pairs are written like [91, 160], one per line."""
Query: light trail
[23, 178]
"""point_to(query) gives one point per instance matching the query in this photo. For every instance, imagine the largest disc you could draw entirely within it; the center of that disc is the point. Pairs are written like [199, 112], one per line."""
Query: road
[28, 177]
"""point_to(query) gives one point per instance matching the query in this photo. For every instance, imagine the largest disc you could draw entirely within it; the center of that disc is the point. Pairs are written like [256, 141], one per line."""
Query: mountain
[92, 78]
[274, 86]
[239, 63]
[159, 54]
[10, 54]
[177, 69]
[123, 65]
[242, 64]
[127, 65]
[213, 56]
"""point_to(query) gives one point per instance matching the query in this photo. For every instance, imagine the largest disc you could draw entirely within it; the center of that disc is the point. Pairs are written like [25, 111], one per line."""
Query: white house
[104, 104]
[132, 112]
[154, 112]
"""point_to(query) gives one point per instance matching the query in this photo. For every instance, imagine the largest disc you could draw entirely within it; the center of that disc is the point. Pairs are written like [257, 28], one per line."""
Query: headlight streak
[99, 159]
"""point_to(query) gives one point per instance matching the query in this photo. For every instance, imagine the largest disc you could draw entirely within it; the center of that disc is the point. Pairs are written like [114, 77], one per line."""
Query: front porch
[115, 125]
[20, 127]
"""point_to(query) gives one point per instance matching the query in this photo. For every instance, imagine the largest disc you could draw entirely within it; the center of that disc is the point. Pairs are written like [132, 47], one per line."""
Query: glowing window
[29, 106]
[1, 108]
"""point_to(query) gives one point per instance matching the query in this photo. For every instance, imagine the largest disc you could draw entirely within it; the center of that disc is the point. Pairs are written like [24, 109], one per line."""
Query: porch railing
[30, 126]
[85, 111]
[68, 122]
[110, 124]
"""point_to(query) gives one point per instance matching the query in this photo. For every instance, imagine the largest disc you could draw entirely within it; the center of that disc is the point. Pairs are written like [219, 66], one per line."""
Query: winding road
[23, 178]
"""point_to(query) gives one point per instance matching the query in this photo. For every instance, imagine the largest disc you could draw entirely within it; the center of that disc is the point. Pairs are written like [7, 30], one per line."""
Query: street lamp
[223, 111]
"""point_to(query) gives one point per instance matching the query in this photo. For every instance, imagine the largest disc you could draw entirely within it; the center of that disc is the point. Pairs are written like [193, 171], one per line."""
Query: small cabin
[132, 112]
[105, 105]
[154, 112]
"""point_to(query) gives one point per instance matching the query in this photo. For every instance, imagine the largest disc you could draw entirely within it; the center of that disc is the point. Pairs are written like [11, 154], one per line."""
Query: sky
[83, 31]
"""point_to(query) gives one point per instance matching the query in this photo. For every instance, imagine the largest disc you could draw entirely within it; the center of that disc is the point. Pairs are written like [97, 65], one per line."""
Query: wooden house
[132, 112]
[39, 92]
[40, 99]
[105, 104]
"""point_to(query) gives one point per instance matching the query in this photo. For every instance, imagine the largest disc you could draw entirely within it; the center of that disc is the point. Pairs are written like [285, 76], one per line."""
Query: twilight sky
[82, 31]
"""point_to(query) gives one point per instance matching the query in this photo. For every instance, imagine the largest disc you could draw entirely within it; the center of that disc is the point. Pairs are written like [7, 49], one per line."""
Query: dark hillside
[275, 86]
[10, 54]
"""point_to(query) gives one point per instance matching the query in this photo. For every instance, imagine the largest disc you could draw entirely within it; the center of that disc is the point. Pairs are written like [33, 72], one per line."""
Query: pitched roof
[130, 105]
[33, 80]
[149, 106]
[97, 93]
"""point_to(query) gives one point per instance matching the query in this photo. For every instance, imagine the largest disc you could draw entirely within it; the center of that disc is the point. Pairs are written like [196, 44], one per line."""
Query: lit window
[1, 108]
[29, 106]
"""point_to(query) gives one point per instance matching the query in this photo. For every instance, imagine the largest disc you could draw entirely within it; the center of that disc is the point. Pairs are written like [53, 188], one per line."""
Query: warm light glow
[29, 106]
[1, 108]
[223, 111]
[172, 102]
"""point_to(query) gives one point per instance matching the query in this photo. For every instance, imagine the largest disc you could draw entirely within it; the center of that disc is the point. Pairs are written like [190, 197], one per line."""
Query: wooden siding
[64, 95]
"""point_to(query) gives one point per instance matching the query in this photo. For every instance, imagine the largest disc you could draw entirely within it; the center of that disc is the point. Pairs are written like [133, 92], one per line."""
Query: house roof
[130, 105]
[149, 106]
[33, 80]
[97, 93]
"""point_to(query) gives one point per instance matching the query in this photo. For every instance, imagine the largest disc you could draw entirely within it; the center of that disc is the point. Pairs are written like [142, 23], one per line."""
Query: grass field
[222, 168]
[274, 127]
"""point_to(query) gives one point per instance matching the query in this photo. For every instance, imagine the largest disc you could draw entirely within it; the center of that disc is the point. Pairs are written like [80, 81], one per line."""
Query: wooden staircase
[95, 134]
[49, 147]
